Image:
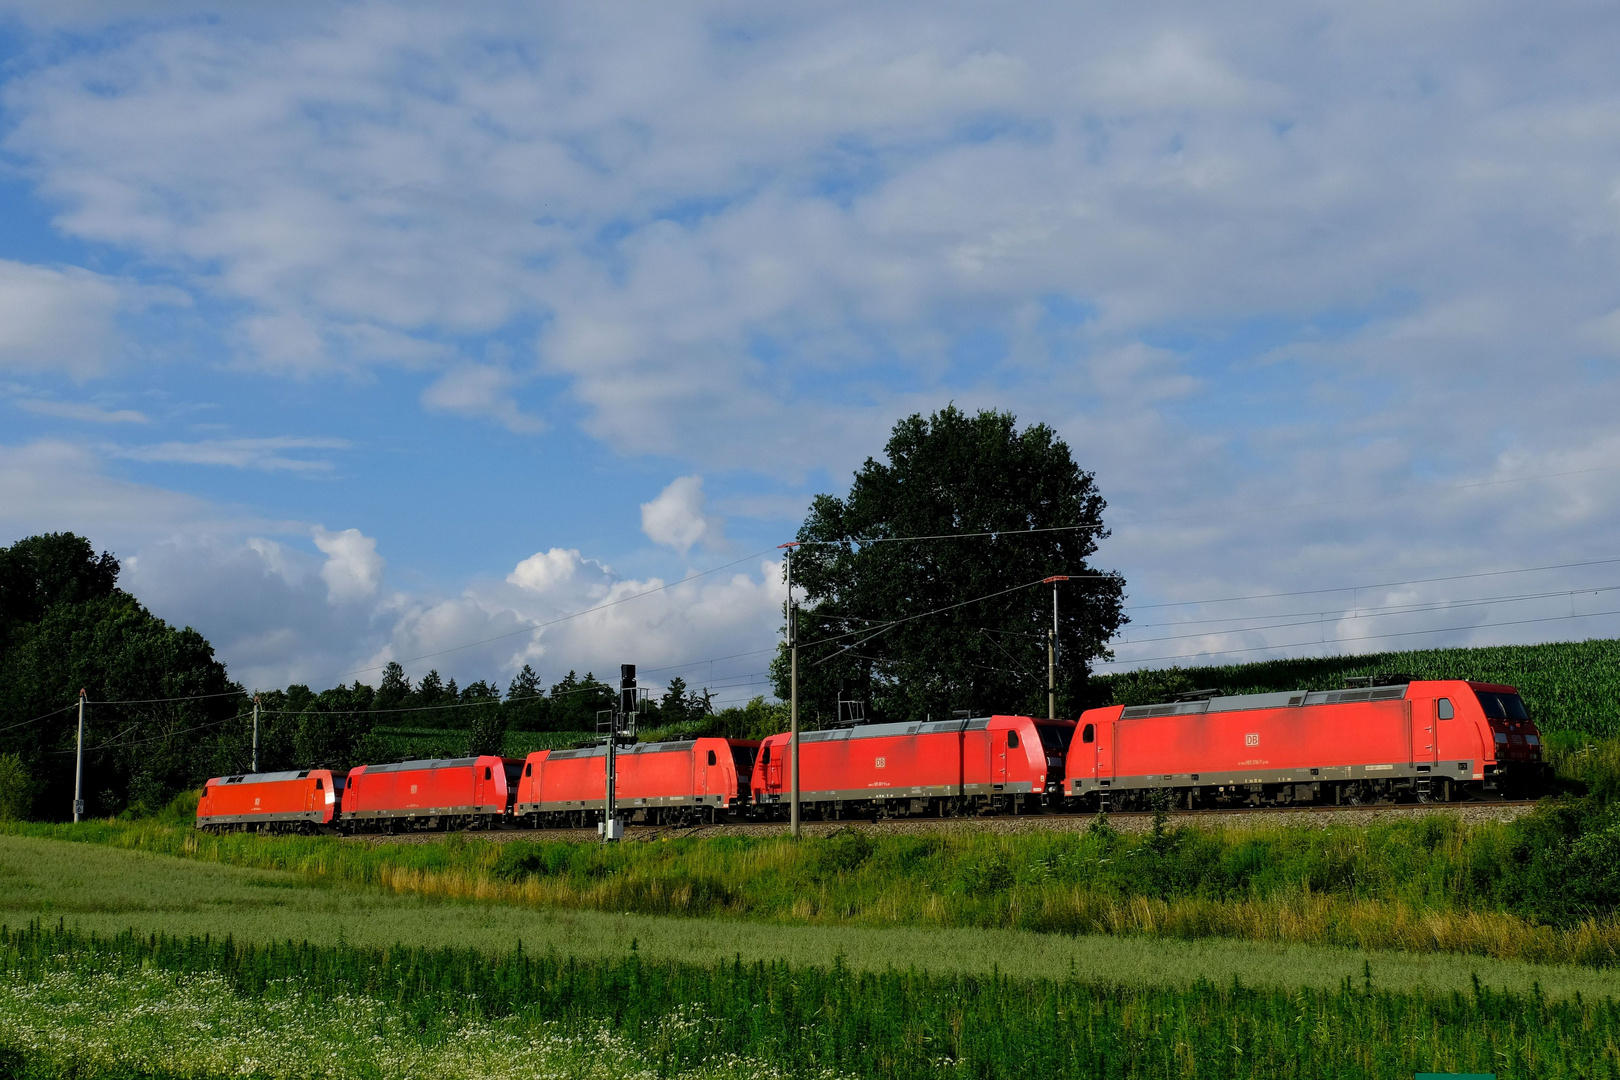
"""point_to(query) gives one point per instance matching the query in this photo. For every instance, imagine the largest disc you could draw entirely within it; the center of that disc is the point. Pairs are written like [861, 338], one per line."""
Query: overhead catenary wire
[166, 700]
[1378, 585]
[1361, 637]
[1307, 618]
[41, 716]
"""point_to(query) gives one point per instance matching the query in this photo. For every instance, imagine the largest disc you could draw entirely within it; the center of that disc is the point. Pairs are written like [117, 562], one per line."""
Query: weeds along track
[1317, 817]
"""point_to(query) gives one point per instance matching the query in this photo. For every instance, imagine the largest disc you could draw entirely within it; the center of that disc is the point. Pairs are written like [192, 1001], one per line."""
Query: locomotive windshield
[743, 757]
[1054, 737]
[1501, 706]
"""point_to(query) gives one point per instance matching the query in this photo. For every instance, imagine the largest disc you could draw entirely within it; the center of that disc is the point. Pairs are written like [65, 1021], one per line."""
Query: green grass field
[105, 890]
[199, 969]
[77, 1006]
[1542, 889]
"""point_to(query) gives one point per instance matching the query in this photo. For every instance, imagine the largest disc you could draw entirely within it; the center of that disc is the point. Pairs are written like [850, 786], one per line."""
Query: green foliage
[17, 788]
[951, 473]
[42, 571]
[68, 627]
[1567, 686]
[574, 702]
[526, 707]
[731, 1018]
[486, 721]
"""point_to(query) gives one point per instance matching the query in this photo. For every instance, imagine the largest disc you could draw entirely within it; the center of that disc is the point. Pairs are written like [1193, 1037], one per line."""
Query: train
[1391, 739]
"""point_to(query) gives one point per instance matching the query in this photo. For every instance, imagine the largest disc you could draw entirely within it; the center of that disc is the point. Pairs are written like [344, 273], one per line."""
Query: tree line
[922, 596]
[166, 716]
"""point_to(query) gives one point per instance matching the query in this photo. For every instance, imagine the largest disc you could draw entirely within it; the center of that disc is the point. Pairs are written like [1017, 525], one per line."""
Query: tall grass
[1542, 888]
[410, 1012]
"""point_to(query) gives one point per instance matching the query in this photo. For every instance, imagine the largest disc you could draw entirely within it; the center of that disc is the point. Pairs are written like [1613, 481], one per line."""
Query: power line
[44, 716]
[1305, 618]
[1363, 637]
[1380, 585]
[163, 700]
[114, 745]
[1195, 517]
[912, 618]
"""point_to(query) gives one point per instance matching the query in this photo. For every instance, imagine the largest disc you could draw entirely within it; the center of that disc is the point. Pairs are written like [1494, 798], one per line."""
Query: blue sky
[369, 331]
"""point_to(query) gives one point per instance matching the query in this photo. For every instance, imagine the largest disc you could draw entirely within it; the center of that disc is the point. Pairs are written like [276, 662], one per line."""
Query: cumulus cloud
[1238, 260]
[353, 569]
[676, 517]
[545, 571]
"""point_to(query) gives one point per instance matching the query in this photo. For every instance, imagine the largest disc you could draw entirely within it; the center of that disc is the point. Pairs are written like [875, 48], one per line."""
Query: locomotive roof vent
[1198, 695]
[1356, 682]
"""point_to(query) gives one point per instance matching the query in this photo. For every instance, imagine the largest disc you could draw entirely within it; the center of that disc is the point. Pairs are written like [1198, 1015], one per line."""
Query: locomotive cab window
[1501, 706]
[766, 756]
[1012, 740]
[487, 775]
[1444, 710]
[711, 757]
[528, 770]
[320, 785]
[1089, 734]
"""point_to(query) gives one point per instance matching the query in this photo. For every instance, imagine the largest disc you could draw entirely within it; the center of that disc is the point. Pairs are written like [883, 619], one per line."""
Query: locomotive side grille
[413, 766]
[1282, 700]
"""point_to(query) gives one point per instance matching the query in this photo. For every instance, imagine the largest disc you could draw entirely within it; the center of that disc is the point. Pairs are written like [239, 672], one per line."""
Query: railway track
[1135, 821]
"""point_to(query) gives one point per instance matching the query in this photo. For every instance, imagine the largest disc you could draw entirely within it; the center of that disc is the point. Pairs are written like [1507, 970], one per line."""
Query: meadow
[1542, 888]
[160, 1006]
[97, 889]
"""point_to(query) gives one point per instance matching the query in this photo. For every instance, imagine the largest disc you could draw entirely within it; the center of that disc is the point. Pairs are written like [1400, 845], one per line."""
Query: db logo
[882, 763]
[1252, 739]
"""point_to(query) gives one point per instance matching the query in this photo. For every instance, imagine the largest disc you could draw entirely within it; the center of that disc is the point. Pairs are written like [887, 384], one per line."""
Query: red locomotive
[1400, 739]
[453, 793]
[686, 782]
[941, 767]
[299, 801]
[1425, 740]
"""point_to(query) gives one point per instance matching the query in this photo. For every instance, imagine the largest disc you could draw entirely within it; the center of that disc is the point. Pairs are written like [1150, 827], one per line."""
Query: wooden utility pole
[78, 766]
[255, 732]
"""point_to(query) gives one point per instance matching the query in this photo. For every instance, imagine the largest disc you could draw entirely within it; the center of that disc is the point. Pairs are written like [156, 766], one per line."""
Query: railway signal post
[612, 826]
[1051, 649]
[793, 697]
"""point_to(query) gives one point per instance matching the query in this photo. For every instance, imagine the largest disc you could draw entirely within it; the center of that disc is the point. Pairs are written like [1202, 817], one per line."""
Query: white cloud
[480, 390]
[353, 569]
[57, 320]
[1239, 257]
[545, 571]
[82, 410]
[676, 517]
[52, 485]
[268, 455]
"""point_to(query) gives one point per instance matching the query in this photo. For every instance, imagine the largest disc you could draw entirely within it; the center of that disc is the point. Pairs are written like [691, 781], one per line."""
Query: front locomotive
[1513, 763]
